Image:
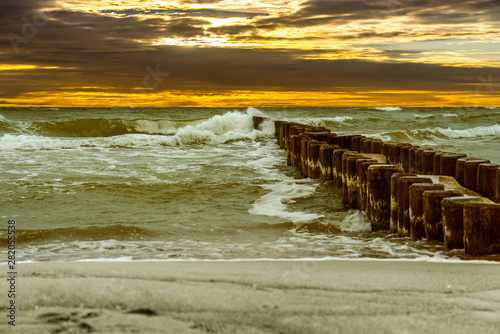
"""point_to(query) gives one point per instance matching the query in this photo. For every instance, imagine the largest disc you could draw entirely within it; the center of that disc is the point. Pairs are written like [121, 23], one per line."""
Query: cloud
[314, 13]
[113, 52]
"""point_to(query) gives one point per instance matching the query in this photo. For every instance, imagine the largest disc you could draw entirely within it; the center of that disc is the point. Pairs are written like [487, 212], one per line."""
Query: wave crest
[143, 133]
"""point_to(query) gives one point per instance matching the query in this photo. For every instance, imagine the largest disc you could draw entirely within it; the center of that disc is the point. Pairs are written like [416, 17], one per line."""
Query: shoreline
[257, 297]
[324, 259]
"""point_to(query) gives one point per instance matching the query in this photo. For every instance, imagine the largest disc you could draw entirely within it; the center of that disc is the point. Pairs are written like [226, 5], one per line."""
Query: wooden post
[325, 161]
[448, 163]
[405, 158]
[338, 140]
[460, 169]
[376, 146]
[432, 213]
[313, 159]
[437, 162]
[416, 211]
[379, 195]
[395, 201]
[412, 155]
[498, 186]
[428, 162]
[362, 170]
[304, 154]
[419, 160]
[366, 144]
[399, 155]
[356, 143]
[453, 220]
[345, 175]
[487, 180]
[404, 225]
[392, 153]
[337, 167]
[470, 173]
[481, 228]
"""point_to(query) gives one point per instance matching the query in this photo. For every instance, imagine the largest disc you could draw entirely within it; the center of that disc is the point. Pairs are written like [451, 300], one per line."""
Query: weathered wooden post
[294, 151]
[313, 159]
[325, 161]
[416, 211]
[338, 140]
[348, 142]
[405, 157]
[487, 180]
[366, 144]
[432, 213]
[362, 170]
[337, 167]
[345, 174]
[498, 186]
[352, 180]
[379, 195]
[419, 159]
[460, 169]
[448, 163]
[304, 154]
[412, 158]
[437, 162]
[428, 162]
[376, 146]
[404, 225]
[392, 158]
[470, 173]
[356, 143]
[453, 220]
[394, 200]
[481, 228]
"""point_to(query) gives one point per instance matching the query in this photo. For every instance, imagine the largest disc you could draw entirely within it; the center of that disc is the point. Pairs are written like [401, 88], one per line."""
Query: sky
[229, 53]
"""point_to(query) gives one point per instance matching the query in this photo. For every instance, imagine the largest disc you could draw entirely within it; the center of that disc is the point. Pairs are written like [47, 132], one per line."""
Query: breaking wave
[136, 133]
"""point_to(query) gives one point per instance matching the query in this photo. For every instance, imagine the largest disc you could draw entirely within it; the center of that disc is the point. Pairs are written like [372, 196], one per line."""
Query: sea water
[201, 183]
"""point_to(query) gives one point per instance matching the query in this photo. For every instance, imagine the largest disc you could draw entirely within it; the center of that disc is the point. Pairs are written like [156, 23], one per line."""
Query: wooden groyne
[413, 191]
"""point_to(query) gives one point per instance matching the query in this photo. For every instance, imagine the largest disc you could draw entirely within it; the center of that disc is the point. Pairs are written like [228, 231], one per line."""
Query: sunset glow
[240, 53]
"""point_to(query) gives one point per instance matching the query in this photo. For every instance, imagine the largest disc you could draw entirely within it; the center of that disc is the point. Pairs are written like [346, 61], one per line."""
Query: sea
[114, 184]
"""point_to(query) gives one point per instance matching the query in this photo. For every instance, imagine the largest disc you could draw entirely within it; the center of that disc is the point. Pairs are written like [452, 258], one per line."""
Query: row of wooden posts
[413, 191]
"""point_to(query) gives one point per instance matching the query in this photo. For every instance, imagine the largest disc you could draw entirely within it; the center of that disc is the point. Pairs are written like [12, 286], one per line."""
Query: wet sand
[256, 297]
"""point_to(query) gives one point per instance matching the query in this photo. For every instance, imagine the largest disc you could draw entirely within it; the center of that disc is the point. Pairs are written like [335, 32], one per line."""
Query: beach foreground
[256, 297]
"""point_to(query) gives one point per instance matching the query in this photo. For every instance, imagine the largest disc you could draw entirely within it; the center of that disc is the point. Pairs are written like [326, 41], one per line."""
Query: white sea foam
[388, 108]
[251, 111]
[491, 107]
[450, 115]
[480, 131]
[423, 116]
[355, 221]
[216, 130]
[320, 121]
[274, 203]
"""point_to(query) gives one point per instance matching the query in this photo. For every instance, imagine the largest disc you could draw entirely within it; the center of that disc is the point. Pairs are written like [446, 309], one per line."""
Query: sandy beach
[256, 297]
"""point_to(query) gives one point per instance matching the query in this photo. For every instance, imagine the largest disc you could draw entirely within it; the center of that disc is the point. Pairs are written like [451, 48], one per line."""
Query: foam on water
[480, 131]
[273, 204]
[320, 121]
[388, 108]
[216, 130]
[423, 116]
[355, 221]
